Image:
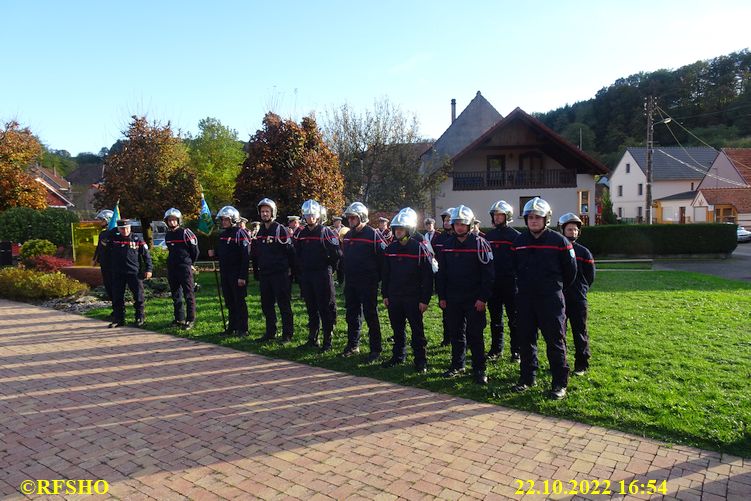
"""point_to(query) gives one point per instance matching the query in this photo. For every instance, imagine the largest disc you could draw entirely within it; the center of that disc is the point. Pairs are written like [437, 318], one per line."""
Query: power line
[706, 173]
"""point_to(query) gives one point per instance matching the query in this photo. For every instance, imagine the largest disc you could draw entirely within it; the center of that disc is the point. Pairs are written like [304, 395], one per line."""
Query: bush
[159, 261]
[46, 263]
[18, 283]
[33, 248]
[20, 224]
[659, 239]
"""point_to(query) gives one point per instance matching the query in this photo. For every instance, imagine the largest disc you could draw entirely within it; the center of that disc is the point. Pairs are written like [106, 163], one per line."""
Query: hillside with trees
[712, 99]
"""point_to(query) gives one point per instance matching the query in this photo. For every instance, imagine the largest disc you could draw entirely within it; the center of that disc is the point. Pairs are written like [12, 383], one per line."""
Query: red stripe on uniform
[413, 256]
[543, 247]
[474, 251]
[365, 240]
[590, 261]
[500, 242]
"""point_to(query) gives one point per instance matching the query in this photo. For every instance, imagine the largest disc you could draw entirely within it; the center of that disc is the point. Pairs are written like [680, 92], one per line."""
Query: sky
[76, 71]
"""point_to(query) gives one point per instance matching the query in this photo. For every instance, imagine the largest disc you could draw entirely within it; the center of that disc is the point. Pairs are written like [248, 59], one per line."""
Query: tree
[216, 155]
[18, 150]
[58, 161]
[148, 174]
[289, 163]
[379, 152]
[608, 216]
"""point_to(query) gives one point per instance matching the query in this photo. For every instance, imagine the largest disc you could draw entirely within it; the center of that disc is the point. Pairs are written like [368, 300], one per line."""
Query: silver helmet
[357, 209]
[172, 212]
[539, 207]
[311, 208]
[462, 214]
[268, 203]
[229, 212]
[447, 213]
[105, 215]
[567, 218]
[503, 207]
[324, 215]
[407, 219]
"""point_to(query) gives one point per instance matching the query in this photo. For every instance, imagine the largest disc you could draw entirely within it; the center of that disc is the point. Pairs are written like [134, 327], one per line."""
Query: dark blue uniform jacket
[272, 250]
[363, 253]
[407, 272]
[315, 250]
[127, 254]
[585, 275]
[182, 245]
[234, 252]
[543, 265]
[461, 275]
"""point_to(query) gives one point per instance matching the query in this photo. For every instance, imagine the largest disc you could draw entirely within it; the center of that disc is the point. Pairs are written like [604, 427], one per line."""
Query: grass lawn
[624, 266]
[671, 357]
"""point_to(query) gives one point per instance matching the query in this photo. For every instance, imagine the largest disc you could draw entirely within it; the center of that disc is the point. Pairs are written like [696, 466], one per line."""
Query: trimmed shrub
[159, 261]
[18, 283]
[659, 239]
[20, 224]
[47, 263]
[36, 247]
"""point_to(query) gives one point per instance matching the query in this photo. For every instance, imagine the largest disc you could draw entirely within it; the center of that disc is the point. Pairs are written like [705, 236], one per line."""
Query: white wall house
[516, 159]
[675, 171]
[724, 194]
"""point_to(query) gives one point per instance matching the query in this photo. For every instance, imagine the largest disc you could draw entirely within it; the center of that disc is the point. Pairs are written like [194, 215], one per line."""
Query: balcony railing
[494, 180]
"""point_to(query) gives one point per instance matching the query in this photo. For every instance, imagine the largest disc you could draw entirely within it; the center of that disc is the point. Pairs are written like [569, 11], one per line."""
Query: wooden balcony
[508, 180]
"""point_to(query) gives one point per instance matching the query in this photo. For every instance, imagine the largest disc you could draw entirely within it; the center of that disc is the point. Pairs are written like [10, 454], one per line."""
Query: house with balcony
[676, 174]
[514, 159]
[724, 194]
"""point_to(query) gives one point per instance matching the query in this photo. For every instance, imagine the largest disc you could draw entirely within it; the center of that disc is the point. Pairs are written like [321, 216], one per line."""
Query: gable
[474, 120]
[521, 130]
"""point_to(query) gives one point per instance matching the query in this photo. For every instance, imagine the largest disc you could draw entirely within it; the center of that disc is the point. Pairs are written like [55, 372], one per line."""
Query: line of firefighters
[539, 277]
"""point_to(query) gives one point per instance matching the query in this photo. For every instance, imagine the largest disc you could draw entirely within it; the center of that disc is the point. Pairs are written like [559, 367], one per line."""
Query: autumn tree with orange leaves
[19, 149]
[289, 163]
[149, 173]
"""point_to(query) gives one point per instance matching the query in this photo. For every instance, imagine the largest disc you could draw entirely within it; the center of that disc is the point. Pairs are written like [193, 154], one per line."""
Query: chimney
[453, 110]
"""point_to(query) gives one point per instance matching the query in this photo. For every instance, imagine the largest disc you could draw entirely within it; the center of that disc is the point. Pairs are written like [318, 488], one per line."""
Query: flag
[115, 216]
[205, 222]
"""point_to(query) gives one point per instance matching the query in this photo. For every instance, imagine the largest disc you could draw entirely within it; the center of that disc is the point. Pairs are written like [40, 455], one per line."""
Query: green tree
[289, 163]
[216, 155]
[19, 149]
[58, 161]
[149, 173]
[608, 216]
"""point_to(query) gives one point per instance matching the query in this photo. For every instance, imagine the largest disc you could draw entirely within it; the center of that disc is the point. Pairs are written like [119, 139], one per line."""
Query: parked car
[743, 234]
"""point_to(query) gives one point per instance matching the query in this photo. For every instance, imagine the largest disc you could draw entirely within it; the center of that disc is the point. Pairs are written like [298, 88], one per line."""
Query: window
[641, 189]
[620, 190]
[692, 186]
[628, 168]
[584, 202]
[524, 200]
[620, 211]
[496, 169]
[530, 166]
[639, 212]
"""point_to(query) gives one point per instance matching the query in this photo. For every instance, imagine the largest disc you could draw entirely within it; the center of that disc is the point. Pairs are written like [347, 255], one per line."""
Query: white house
[514, 159]
[724, 195]
[675, 171]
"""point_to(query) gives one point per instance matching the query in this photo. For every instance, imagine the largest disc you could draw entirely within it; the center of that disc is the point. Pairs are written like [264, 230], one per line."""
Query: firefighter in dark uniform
[438, 241]
[101, 253]
[544, 264]
[318, 252]
[406, 288]
[127, 253]
[504, 287]
[465, 283]
[576, 293]
[182, 246]
[273, 260]
[233, 252]
[363, 255]
[384, 230]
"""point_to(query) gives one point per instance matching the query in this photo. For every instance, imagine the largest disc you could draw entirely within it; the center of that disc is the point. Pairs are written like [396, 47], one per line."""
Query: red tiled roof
[741, 158]
[740, 198]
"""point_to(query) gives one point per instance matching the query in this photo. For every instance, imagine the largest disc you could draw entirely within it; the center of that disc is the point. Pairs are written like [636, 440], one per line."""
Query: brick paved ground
[167, 418]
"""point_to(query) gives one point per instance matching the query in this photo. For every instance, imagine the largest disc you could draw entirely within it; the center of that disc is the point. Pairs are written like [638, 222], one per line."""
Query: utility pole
[650, 106]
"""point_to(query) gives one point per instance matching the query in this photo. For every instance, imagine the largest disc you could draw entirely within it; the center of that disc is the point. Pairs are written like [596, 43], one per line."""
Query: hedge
[18, 283]
[20, 224]
[659, 239]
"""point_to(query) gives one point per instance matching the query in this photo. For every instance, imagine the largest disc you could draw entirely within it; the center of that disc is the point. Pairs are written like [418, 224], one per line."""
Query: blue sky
[75, 71]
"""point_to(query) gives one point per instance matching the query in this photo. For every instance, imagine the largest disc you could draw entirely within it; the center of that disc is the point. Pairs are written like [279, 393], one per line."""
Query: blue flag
[115, 216]
[205, 221]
